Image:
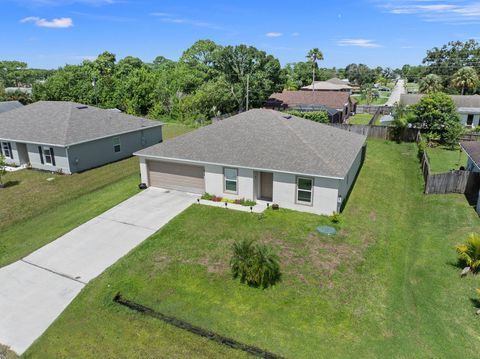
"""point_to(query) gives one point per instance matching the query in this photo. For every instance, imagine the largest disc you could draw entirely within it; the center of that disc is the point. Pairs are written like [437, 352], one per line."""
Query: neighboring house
[468, 107]
[337, 81]
[328, 86]
[25, 90]
[472, 149]
[9, 105]
[261, 155]
[71, 137]
[338, 101]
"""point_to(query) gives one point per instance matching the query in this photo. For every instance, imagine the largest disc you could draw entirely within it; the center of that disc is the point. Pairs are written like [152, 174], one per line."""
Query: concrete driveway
[397, 91]
[35, 290]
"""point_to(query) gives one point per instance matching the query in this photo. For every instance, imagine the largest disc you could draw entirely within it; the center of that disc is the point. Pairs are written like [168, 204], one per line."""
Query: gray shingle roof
[472, 149]
[459, 100]
[66, 123]
[266, 139]
[9, 105]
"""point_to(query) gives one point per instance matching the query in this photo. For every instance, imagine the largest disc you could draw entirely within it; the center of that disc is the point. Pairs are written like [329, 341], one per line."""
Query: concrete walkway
[397, 91]
[35, 290]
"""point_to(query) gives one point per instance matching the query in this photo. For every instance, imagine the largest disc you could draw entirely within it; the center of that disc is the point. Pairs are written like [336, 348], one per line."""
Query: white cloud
[452, 11]
[273, 34]
[64, 2]
[173, 19]
[358, 43]
[60, 23]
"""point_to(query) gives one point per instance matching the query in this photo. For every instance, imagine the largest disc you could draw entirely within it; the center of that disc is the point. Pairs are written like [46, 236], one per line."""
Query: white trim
[150, 157]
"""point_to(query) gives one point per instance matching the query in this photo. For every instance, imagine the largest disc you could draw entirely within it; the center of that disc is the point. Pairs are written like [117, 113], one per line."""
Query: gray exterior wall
[99, 152]
[347, 182]
[61, 160]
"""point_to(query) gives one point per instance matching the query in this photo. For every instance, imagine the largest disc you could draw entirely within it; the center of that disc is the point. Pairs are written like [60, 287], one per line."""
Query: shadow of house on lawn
[345, 201]
[11, 184]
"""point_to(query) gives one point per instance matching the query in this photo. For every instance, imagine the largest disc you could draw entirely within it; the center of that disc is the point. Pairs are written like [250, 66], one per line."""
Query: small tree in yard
[3, 171]
[469, 253]
[437, 113]
[256, 265]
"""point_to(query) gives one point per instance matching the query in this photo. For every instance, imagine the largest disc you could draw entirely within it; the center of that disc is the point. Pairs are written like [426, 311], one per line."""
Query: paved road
[398, 90]
[35, 290]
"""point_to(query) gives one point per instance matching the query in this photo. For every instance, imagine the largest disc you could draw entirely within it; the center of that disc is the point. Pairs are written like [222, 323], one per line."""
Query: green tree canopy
[436, 113]
[465, 79]
[430, 84]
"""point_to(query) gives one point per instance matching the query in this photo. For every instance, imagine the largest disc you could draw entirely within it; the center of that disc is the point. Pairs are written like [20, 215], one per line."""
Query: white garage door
[176, 176]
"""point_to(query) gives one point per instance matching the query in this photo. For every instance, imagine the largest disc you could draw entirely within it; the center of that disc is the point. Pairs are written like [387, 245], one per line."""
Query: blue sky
[51, 33]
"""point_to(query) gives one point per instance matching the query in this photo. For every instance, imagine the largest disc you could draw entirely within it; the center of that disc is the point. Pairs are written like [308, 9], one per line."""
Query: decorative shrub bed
[241, 201]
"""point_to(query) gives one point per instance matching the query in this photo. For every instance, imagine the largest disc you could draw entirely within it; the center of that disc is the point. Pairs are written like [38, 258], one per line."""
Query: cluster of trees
[17, 74]
[436, 114]
[451, 68]
[207, 80]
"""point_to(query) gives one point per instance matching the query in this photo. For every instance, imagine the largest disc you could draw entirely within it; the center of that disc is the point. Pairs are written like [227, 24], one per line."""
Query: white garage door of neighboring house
[187, 178]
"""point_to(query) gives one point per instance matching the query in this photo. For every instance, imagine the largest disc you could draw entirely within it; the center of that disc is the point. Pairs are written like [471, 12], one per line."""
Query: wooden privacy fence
[380, 132]
[464, 182]
[372, 109]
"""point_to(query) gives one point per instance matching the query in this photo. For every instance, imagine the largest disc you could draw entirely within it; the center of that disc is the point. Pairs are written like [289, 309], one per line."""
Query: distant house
[338, 104]
[468, 107]
[9, 105]
[328, 86]
[337, 81]
[260, 155]
[72, 137]
[25, 90]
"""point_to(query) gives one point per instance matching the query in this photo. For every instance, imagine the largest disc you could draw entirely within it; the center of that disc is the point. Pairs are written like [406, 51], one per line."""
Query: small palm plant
[256, 265]
[469, 253]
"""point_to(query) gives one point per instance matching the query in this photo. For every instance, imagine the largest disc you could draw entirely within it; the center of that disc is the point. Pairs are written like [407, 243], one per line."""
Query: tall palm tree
[430, 84]
[314, 55]
[465, 79]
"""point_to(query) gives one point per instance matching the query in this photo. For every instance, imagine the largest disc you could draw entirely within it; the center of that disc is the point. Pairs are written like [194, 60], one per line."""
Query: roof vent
[288, 117]
[81, 107]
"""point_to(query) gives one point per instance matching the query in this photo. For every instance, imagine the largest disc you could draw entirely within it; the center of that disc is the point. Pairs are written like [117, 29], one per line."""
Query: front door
[22, 153]
[266, 186]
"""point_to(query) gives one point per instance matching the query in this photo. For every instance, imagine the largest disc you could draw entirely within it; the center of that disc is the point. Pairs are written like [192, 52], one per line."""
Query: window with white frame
[47, 155]
[7, 149]
[116, 144]
[304, 190]
[231, 179]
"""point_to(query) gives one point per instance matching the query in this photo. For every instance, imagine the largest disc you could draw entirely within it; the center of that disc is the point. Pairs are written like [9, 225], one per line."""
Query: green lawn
[40, 211]
[385, 287]
[360, 119]
[444, 160]
[375, 101]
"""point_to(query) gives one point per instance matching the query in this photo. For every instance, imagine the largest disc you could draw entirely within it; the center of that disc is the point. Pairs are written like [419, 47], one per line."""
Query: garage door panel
[176, 176]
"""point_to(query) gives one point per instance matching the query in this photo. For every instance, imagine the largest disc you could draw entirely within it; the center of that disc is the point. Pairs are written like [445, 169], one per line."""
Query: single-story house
[25, 90]
[9, 105]
[339, 101]
[71, 137]
[468, 106]
[337, 81]
[262, 155]
[328, 86]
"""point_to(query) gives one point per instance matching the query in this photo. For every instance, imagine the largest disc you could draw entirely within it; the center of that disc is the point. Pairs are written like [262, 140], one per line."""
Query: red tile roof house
[297, 100]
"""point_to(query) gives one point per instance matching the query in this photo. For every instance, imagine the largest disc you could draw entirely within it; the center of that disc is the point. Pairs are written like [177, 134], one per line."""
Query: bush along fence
[231, 343]
[380, 132]
[464, 182]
